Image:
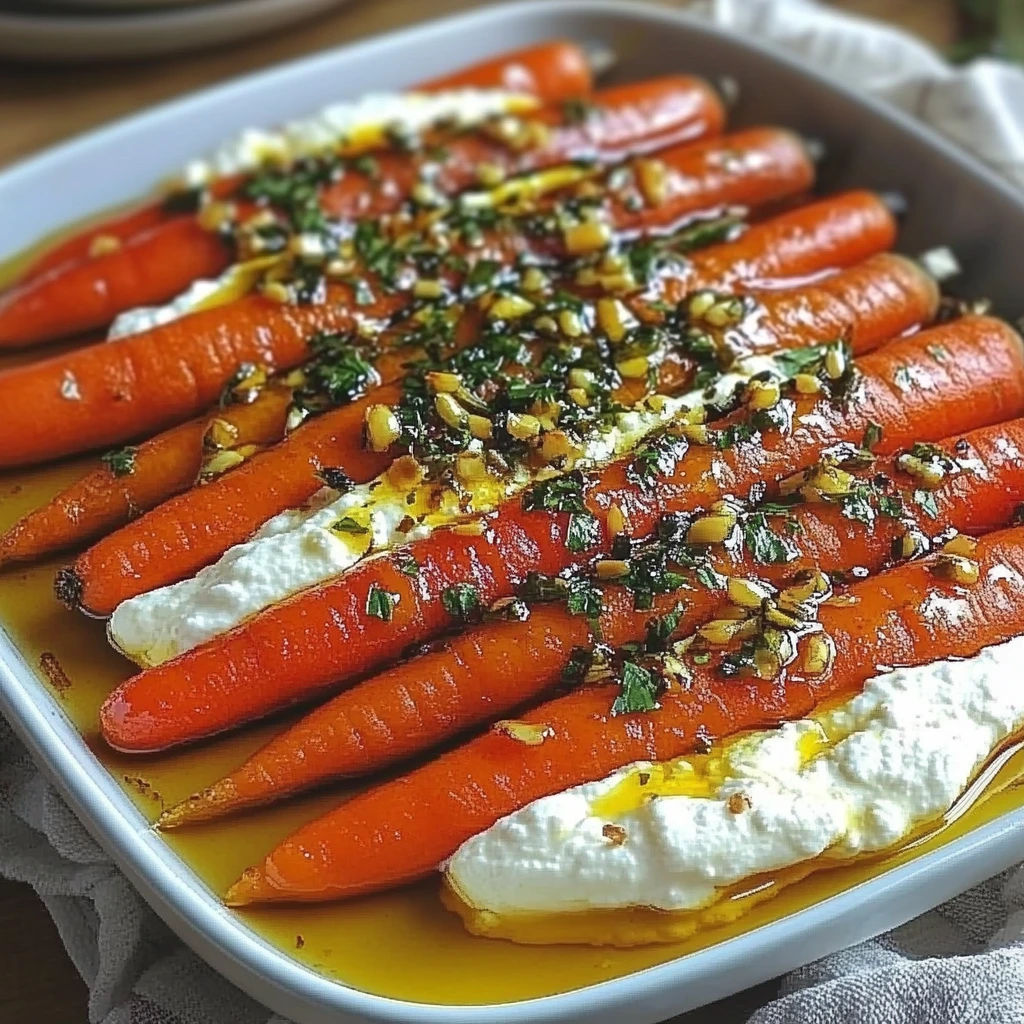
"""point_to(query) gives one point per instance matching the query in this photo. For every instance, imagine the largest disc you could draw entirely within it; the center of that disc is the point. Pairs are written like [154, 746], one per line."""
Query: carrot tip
[246, 890]
[68, 587]
[212, 802]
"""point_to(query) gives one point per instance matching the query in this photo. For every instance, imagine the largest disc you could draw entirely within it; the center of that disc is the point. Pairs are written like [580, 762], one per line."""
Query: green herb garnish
[872, 435]
[380, 603]
[121, 461]
[766, 546]
[462, 602]
[406, 564]
[639, 690]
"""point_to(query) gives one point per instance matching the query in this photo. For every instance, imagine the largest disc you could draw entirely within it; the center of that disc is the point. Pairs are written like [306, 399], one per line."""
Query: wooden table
[42, 105]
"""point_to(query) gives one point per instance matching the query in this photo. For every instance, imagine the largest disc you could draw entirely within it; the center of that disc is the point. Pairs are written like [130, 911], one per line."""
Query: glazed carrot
[555, 70]
[695, 177]
[111, 392]
[153, 267]
[552, 72]
[106, 498]
[190, 531]
[918, 387]
[491, 670]
[78, 297]
[404, 829]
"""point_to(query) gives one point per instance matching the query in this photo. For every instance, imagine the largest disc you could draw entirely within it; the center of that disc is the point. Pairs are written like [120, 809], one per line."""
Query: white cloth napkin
[961, 962]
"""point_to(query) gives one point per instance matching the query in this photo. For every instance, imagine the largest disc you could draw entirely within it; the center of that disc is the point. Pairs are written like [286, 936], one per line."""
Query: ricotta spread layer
[855, 779]
[303, 547]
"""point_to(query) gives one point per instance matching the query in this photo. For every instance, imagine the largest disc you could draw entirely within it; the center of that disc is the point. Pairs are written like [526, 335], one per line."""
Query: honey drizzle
[402, 944]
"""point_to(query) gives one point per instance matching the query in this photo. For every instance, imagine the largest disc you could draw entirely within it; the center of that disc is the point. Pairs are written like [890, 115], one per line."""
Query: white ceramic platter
[102, 30]
[952, 200]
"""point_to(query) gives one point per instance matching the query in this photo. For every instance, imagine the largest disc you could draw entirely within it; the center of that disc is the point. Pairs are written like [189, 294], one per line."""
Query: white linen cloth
[963, 962]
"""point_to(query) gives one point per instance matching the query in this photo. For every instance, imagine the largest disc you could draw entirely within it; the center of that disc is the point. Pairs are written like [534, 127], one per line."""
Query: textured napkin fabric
[963, 962]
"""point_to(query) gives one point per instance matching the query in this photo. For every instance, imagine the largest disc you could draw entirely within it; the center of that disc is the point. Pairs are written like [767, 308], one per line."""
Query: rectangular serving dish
[953, 201]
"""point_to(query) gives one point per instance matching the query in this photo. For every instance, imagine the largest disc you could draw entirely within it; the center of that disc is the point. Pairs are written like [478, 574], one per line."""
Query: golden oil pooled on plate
[402, 944]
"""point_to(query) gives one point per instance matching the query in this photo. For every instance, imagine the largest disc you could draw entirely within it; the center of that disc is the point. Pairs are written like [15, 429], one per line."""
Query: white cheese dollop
[357, 122]
[297, 549]
[892, 758]
[144, 318]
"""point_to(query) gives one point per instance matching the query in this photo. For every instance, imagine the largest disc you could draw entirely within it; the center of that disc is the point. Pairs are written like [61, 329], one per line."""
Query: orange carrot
[404, 829]
[119, 490]
[919, 387]
[151, 268]
[696, 176]
[555, 70]
[77, 297]
[111, 392]
[491, 670]
[189, 532]
[552, 71]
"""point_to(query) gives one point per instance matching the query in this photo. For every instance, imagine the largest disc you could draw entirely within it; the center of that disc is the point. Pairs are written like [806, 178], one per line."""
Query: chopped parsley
[565, 494]
[336, 375]
[295, 191]
[121, 461]
[335, 478]
[764, 544]
[583, 532]
[406, 564]
[578, 665]
[656, 458]
[872, 435]
[856, 505]
[583, 598]
[462, 602]
[639, 690]
[799, 360]
[380, 603]
[346, 524]
[926, 502]
[661, 628]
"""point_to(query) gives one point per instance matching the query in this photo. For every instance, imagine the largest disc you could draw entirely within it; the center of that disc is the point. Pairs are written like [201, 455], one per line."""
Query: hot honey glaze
[402, 944]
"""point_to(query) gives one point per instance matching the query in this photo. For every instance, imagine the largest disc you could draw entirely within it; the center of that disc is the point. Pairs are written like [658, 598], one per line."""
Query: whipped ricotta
[360, 124]
[856, 779]
[356, 124]
[144, 318]
[299, 549]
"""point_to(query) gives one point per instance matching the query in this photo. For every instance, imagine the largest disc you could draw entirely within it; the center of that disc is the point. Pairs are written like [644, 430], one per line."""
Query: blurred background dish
[49, 34]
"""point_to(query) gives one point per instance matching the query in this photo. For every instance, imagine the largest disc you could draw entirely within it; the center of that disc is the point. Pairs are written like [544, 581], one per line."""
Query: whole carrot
[404, 829]
[179, 538]
[918, 387]
[491, 670]
[151, 268]
[552, 71]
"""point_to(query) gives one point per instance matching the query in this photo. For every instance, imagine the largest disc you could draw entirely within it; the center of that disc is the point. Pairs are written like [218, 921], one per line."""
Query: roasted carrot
[191, 531]
[489, 671]
[553, 72]
[404, 829]
[918, 387]
[136, 479]
[153, 267]
[109, 393]
[694, 177]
